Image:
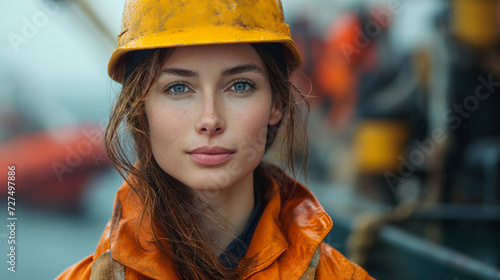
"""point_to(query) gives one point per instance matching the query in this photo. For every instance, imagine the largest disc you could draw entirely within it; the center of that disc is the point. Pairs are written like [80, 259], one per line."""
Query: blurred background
[404, 131]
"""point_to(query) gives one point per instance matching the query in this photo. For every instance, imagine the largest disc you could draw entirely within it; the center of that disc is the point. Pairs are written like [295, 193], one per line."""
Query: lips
[211, 155]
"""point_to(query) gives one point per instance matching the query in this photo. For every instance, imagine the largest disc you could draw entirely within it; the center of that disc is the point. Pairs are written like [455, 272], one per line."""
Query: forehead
[214, 55]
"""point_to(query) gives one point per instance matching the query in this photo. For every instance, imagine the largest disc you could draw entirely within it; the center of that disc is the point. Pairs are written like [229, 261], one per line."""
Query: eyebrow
[242, 69]
[245, 68]
[179, 72]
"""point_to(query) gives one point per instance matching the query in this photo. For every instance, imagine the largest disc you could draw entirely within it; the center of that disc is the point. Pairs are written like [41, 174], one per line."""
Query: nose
[211, 121]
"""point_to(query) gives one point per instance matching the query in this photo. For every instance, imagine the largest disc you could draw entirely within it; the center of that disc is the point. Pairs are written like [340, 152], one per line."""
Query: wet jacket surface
[287, 243]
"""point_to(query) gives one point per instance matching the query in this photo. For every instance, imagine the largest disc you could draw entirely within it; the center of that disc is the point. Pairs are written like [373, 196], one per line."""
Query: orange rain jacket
[287, 244]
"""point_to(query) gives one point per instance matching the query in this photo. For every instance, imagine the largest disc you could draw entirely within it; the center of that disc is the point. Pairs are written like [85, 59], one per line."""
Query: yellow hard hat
[151, 24]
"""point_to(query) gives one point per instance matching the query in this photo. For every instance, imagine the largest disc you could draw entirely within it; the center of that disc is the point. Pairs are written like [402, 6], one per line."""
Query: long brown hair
[175, 225]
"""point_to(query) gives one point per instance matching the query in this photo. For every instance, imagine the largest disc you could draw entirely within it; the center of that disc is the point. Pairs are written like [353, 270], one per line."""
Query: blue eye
[241, 86]
[178, 88]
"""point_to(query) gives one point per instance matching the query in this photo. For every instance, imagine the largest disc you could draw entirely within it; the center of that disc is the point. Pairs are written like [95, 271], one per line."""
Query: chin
[210, 184]
[213, 181]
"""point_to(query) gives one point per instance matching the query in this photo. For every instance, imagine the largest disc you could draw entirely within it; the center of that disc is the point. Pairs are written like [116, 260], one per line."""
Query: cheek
[254, 125]
[165, 127]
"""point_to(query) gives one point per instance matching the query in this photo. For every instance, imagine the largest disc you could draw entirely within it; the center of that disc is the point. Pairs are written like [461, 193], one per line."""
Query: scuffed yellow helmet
[148, 24]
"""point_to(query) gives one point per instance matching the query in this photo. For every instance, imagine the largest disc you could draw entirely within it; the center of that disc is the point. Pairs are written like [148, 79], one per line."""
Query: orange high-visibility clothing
[287, 243]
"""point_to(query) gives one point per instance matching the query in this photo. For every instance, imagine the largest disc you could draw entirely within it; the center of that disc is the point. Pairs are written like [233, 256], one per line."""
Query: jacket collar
[291, 227]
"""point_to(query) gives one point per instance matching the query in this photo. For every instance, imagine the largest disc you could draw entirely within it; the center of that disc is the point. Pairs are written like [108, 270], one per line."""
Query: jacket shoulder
[333, 265]
[104, 267]
[80, 270]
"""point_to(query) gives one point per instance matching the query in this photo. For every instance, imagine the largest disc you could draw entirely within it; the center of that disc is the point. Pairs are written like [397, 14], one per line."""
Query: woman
[205, 89]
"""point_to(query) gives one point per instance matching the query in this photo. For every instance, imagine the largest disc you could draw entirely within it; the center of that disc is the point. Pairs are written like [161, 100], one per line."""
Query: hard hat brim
[201, 36]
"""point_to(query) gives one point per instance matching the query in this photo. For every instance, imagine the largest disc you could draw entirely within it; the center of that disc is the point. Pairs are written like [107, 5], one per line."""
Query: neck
[234, 205]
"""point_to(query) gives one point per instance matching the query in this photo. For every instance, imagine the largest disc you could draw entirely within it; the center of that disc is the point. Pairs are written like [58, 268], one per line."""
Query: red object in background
[53, 167]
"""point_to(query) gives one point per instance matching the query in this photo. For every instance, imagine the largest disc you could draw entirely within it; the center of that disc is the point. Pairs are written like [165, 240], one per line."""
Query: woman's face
[208, 115]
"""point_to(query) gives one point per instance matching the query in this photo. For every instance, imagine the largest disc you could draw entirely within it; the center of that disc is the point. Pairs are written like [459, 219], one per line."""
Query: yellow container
[379, 144]
[475, 22]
